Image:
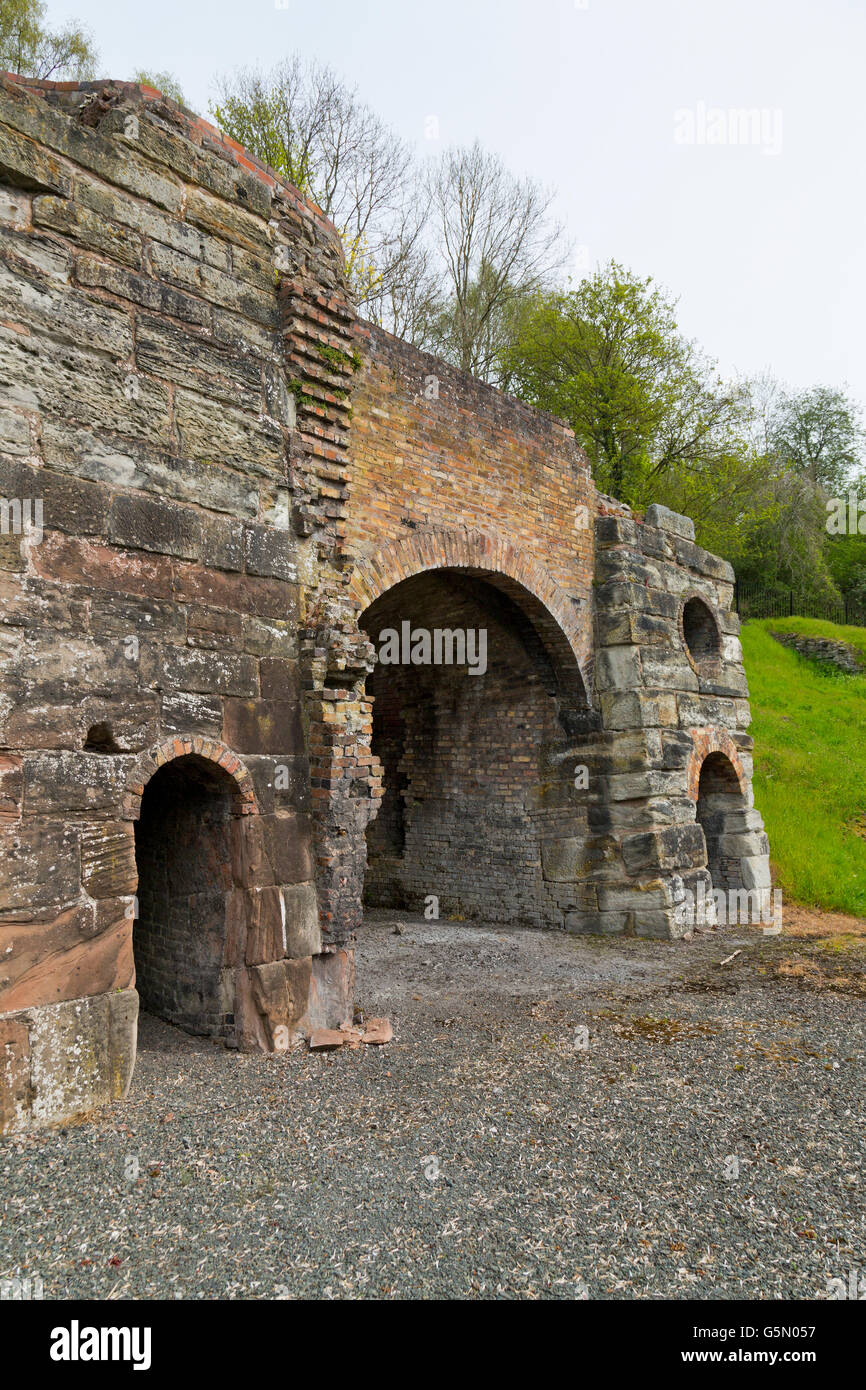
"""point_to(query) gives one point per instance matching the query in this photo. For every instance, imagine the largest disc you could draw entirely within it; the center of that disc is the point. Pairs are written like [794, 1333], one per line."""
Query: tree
[311, 128]
[819, 432]
[786, 543]
[498, 246]
[164, 82]
[29, 48]
[643, 402]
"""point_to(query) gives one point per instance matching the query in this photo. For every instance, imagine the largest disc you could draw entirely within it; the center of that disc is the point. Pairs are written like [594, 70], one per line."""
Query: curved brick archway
[562, 626]
[707, 741]
[211, 750]
[472, 787]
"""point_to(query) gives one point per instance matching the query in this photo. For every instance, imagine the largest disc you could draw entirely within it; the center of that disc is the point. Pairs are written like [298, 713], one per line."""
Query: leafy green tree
[609, 359]
[784, 542]
[164, 82]
[819, 432]
[30, 48]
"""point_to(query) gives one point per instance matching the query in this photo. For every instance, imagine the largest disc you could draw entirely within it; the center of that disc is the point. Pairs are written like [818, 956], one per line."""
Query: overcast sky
[622, 106]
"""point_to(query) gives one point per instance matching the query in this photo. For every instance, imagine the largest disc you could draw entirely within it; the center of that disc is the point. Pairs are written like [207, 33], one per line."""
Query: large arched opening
[477, 697]
[184, 860]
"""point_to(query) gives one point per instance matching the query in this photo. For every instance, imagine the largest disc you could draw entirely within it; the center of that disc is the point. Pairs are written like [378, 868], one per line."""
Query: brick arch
[485, 555]
[707, 741]
[210, 749]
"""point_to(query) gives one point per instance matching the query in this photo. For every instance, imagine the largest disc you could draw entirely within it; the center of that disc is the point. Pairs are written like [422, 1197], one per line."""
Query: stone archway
[736, 842]
[721, 808]
[477, 793]
[182, 797]
[562, 623]
[207, 749]
[345, 773]
[183, 852]
[268, 978]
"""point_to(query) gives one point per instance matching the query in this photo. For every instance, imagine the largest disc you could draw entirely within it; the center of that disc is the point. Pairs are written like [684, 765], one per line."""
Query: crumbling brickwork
[217, 489]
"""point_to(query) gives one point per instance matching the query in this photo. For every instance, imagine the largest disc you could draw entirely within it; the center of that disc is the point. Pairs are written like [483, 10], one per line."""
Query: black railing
[753, 601]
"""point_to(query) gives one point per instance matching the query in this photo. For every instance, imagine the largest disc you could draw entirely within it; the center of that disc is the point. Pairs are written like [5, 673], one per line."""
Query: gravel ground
[494, 1148]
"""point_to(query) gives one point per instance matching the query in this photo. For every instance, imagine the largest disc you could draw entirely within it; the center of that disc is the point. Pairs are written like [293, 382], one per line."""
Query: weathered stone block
[332, 989]
[41, 865]
[108, 867]
[618, 668]
[281, 995]
[755, 872]
[23, 164]
[15, 1095]
[666, 520]
[270, 552]
[55, 783]
[263, 726]
[671, 847]
[70, 1068]
[303, 936]
[66, 955]
[122, 1041]
[635, 709]
[660, 925]
[141, 523]
[208, 673]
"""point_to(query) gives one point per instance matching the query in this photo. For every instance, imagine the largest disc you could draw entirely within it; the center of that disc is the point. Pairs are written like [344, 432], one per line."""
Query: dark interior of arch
[700, 631]
[720, 813]
[183, 855]
[472, 786]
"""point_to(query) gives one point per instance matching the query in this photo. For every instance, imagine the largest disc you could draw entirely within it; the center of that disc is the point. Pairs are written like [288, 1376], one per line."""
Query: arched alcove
[184, 862]
[700, 632]
[721, 808]
[469, 728]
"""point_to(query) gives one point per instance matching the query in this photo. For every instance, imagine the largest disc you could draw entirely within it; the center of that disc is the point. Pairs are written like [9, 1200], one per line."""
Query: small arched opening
[721, 813]
[701, 632]
[183, 857]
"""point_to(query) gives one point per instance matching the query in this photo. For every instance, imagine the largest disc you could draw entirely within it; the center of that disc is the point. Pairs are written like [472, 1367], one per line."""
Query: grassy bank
[809, 725]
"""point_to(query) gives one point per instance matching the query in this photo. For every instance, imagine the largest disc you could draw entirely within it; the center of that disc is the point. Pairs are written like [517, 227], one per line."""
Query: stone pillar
[665, 705]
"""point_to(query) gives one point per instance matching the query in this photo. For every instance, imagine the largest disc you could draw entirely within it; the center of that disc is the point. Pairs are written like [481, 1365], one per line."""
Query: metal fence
[752, 601]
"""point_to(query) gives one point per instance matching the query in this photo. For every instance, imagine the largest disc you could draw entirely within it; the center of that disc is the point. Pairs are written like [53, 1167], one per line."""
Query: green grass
[809, 726]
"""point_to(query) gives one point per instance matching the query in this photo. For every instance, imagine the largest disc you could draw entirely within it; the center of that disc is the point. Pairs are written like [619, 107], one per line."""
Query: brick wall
[436, 455]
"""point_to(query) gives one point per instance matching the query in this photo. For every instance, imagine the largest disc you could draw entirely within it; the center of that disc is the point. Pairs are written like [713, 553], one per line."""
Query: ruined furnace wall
[236, 482]
[157, 293]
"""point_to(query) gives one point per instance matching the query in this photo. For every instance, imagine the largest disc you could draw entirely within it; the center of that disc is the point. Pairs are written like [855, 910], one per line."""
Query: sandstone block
[666, 520]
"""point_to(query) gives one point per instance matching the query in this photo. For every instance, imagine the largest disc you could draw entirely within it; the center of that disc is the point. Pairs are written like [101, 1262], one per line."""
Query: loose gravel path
[558, 1117]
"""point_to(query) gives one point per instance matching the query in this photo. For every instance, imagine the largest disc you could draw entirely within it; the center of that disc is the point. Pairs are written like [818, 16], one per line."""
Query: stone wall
[672, 691]
[216, 487]
[823, 649]
[156, 288]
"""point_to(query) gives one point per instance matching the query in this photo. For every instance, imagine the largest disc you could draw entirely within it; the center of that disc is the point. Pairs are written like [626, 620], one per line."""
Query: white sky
[764, 250]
